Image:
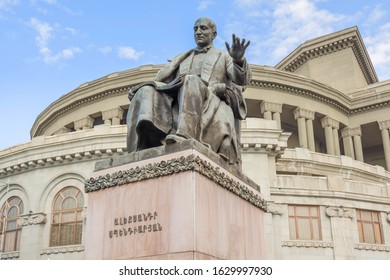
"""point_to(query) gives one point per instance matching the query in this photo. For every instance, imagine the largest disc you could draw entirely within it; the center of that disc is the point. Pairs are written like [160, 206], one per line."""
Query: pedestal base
[180, 205]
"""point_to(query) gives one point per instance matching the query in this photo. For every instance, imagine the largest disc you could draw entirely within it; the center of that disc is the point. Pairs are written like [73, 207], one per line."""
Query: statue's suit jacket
[218, 68]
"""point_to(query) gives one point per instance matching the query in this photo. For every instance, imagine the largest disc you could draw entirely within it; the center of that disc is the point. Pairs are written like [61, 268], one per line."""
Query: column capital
[327, 121]
[84, 123]
[356, 131]
[113, 113]
[384, 125]
[266, 106]
[303, 113]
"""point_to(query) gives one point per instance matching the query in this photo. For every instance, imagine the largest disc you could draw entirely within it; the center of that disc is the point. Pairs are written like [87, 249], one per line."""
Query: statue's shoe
[174, 138]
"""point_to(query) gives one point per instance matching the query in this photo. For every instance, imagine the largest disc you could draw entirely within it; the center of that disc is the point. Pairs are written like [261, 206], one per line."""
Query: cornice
[319, 51]
[62, 250]
[39, 127]
[302, 92]
[10, 255]
[172, 166]
[307, 244]
[277, 192]
[60, 159]
[347, 110]
[372, 247]
[64, 149]
[323, 164]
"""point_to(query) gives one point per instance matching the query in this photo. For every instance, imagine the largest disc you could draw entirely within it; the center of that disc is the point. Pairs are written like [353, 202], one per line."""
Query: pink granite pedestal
[176, 204]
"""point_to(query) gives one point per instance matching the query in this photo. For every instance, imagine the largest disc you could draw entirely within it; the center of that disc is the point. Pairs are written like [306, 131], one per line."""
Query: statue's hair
[210, 23]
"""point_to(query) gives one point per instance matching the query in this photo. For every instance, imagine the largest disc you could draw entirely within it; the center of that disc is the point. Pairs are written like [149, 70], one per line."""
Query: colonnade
[351, 136]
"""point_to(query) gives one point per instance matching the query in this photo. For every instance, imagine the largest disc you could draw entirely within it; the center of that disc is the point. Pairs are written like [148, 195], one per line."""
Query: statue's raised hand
[237, 50]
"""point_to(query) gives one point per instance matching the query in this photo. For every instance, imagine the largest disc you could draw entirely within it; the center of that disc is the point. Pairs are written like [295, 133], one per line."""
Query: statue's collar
[202, 50]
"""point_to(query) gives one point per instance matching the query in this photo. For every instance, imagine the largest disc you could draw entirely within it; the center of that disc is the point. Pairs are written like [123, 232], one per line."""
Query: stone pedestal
[178, 201]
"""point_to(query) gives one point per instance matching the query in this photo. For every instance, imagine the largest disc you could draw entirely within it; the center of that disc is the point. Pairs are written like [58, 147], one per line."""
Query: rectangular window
[304, 222]
[369, 227]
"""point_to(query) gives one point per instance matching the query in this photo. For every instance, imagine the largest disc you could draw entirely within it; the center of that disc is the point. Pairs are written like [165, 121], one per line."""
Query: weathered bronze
[198, 95]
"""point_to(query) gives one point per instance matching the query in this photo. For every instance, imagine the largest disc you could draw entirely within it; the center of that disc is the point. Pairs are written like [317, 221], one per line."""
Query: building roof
[331, 43]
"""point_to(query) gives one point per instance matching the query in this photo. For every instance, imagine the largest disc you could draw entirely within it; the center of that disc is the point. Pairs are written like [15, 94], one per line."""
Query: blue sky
[50, 47]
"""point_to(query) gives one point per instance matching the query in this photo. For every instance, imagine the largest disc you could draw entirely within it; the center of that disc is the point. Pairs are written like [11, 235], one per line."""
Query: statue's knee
[143, 91]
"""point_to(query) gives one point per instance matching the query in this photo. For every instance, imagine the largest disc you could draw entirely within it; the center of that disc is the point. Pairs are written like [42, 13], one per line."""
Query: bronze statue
[198, 95]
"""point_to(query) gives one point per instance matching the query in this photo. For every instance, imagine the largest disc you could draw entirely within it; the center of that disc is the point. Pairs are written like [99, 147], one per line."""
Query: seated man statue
[197, 95]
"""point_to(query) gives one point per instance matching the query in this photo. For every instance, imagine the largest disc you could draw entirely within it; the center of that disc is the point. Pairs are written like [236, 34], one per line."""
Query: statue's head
[205, 32]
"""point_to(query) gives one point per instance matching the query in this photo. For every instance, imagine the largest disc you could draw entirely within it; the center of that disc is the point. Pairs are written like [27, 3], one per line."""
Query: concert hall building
[316, 140]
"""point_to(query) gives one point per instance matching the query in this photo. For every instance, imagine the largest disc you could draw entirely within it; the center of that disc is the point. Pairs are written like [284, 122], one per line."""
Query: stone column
[331, 127]
[271, 111]
[352, 142]
[336, 141]
[82, 124]
[113, 116]
[305, 128]
[357, 142]
[384, 127]
[348, 144]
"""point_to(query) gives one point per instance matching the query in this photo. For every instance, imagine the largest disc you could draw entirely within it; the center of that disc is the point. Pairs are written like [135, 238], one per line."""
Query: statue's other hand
[238, 48]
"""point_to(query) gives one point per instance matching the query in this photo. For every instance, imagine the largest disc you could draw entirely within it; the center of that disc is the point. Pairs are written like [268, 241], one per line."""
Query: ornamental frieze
[32, 219]
[275, 209]
[340, 212]
[307, 244]
[175, 165]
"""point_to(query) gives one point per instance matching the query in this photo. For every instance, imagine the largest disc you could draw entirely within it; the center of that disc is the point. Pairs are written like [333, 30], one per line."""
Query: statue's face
[203, 33]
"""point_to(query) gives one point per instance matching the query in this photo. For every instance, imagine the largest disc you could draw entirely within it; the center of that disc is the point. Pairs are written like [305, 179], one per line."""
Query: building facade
[316, 140]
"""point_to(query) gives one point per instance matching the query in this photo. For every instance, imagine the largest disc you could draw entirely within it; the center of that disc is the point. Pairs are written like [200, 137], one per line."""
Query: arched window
[66, 222]
[10, 230]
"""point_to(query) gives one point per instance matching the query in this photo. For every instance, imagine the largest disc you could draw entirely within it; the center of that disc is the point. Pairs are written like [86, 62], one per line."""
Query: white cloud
[105, 50]
[44, 32]
[71, 30]
[295, 21]
[44, 36]
[51, 2]
[376, 15]
[6, 4]
[277, 27]
[203, 5]
[129, 53]
[52, 58]
[378, 47]
[247, 3]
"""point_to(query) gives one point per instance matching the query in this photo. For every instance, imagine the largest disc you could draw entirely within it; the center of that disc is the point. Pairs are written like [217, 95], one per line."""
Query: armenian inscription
[135, 224]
